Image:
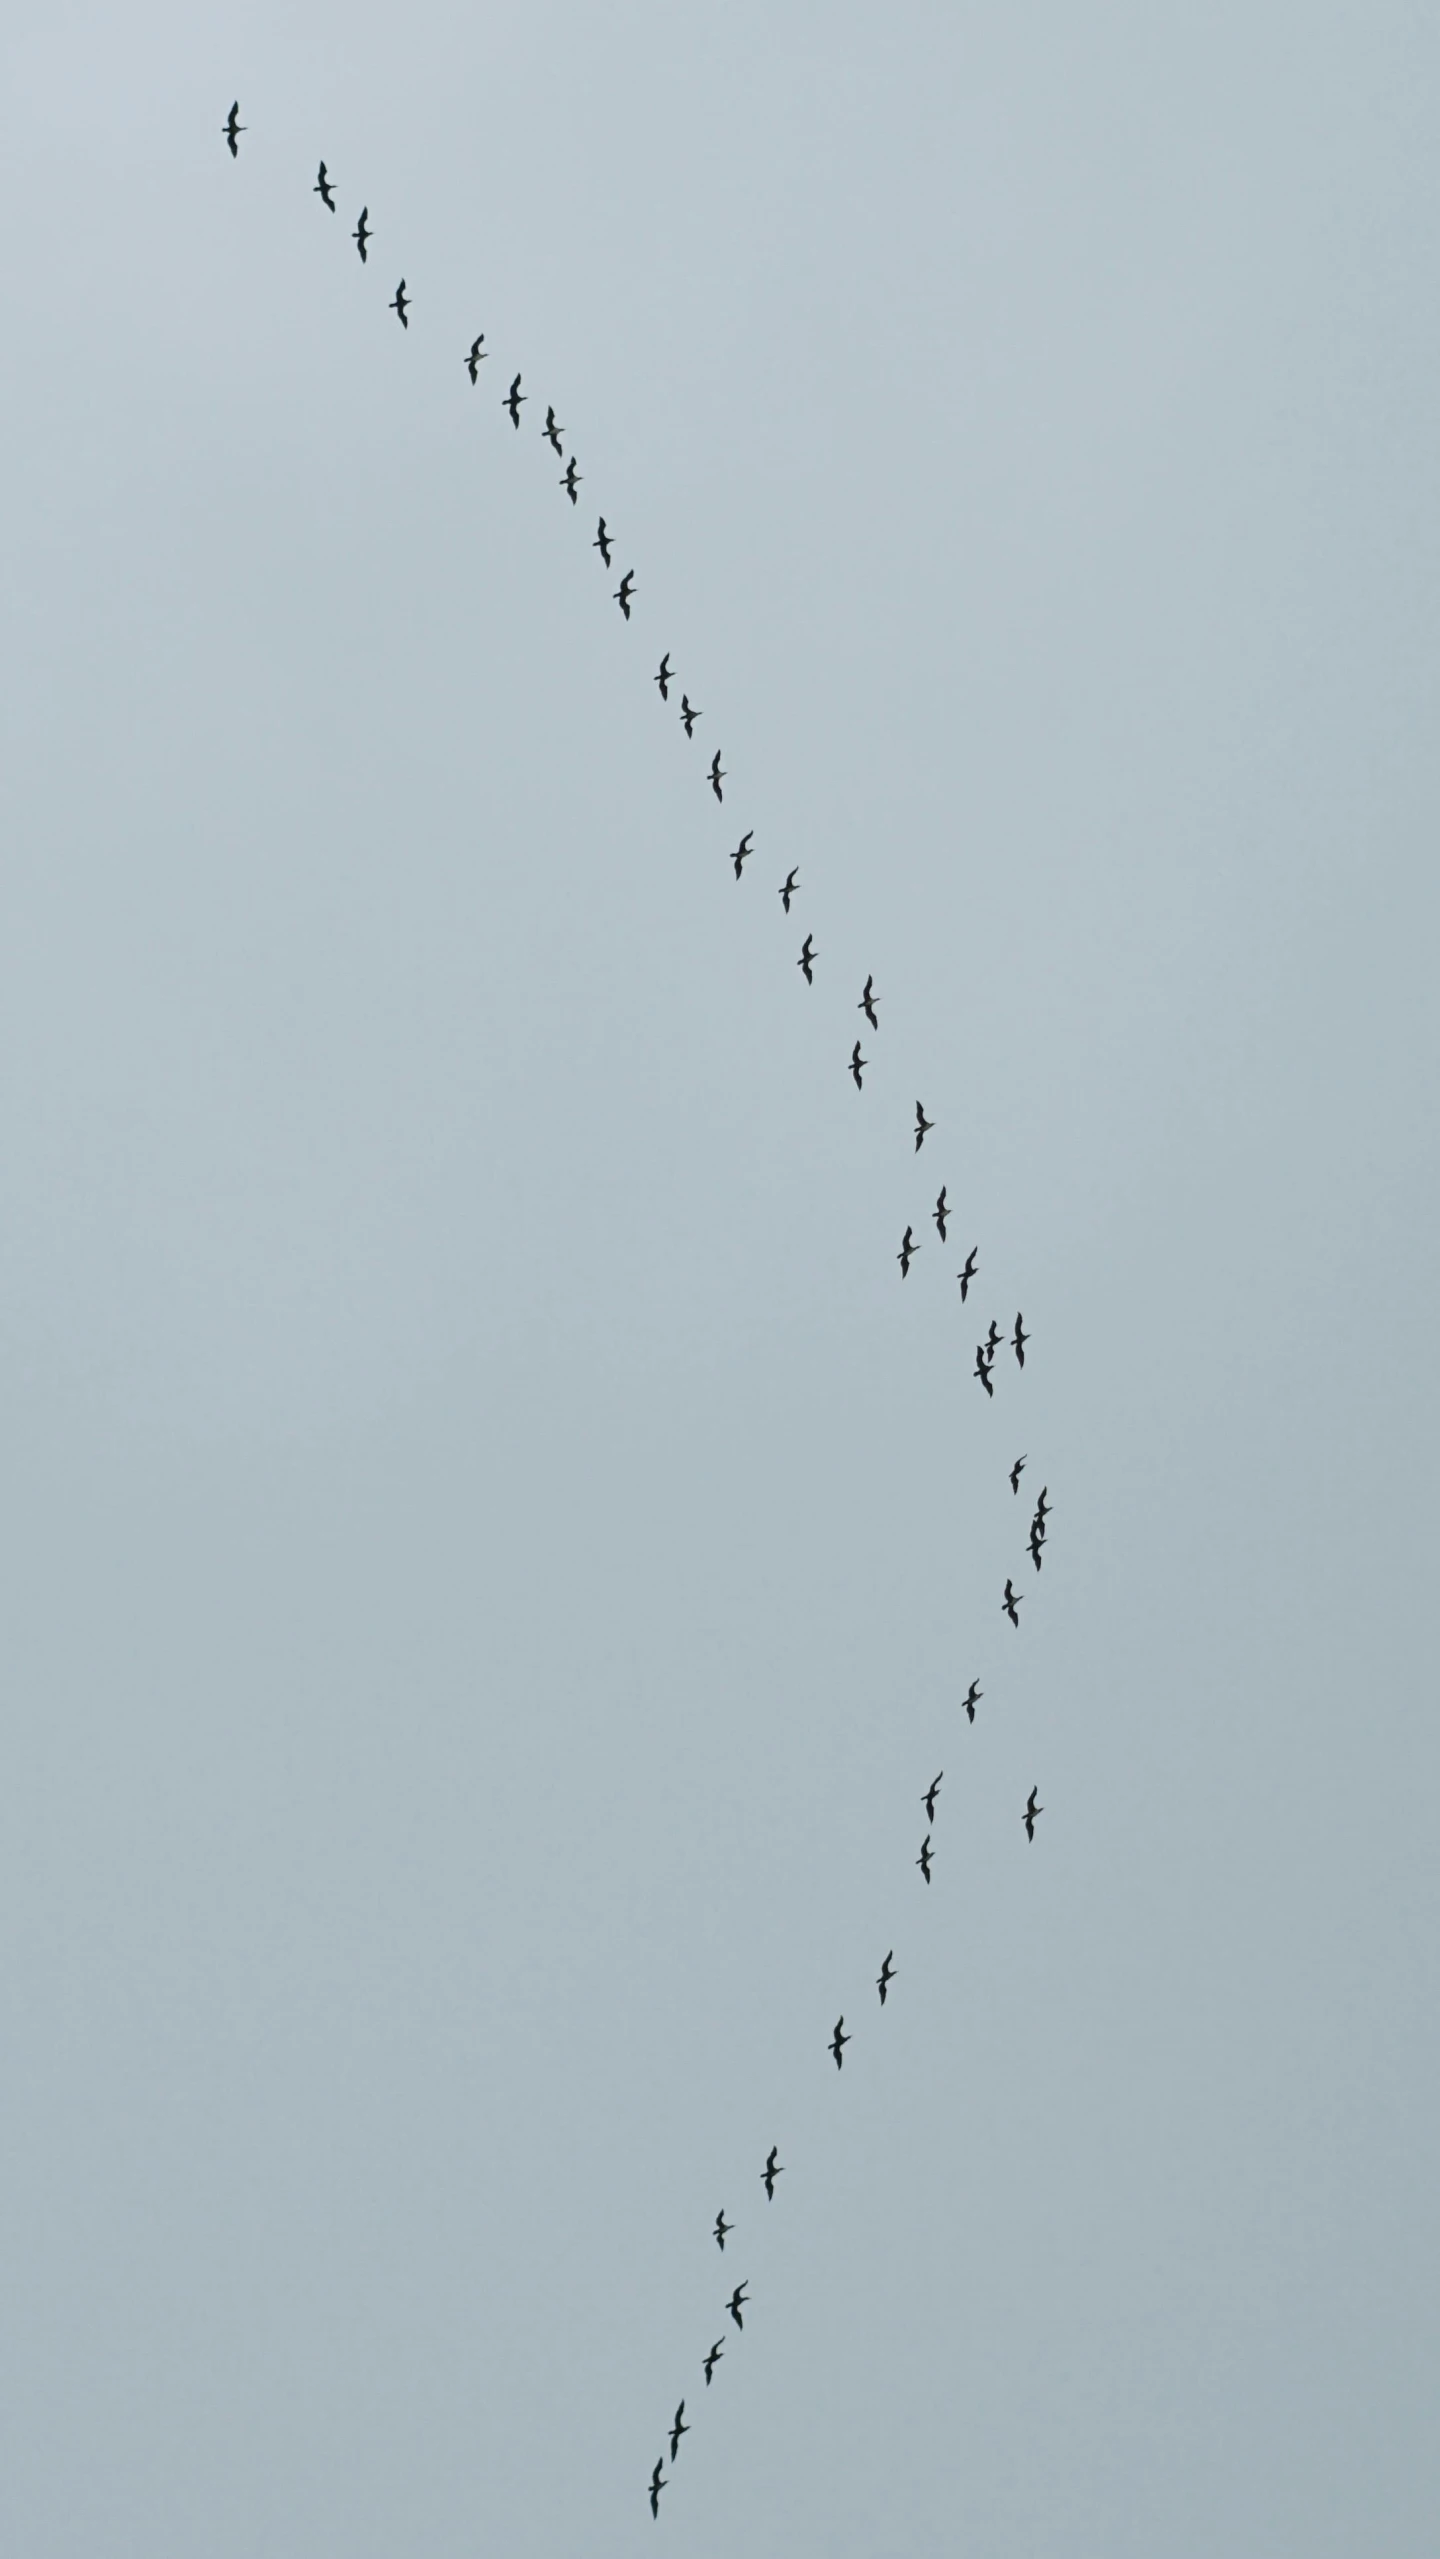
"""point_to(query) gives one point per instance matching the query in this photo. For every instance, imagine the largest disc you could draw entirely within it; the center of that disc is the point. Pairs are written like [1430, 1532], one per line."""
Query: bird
[624, 591]
[401, 304]
[738, 2301]
[322, 189]
[601, 542]
[476, 357]
[922, 1125]
[554, 432]
[838, 2042]
[808, 954]
[1032, 1813]
[656, 2485]
[1037, 1540]
[232, 128]
[908, 1249]
[1044, 1506]
[1016, 1471]
[771, 2170]
[717, 776]
[571, 482]
[992, 1338]
[966, 1276]
[1019, 1339]
[689, 714]
[857, 1063]
[513, 399]
[931, 1797]
[362, 235]
[867, 1004]
[982, 1369]
[663, 678]
[973, 1700]
[1011, 1601]
[885, 1975]
[923, 1860]
[741, 854]
[723, 2229]
[678, 2428]
[940, 1212]
[715, 2356]
[789, 889]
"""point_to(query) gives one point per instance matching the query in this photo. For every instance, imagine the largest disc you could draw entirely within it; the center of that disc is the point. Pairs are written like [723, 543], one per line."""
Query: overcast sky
[495, 1552]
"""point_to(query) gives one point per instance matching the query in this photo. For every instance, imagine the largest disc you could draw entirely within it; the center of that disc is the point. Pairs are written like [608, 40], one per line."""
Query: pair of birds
[768, 2174]
[985, 1351]
[926, 1858]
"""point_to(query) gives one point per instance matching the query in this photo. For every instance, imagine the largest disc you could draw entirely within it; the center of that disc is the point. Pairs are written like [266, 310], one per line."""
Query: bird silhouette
[553, 432]
[1037, 1540]
[931, 1797]
[973, 1700]
[624, 591]
[689, 714]
[789, 889]
[857, 1064]
[923, 1860]
[715, 2356]
[922, 1126]
[678, 2428]
[322, 189]
[477, 356]
[771, 2170]
[808, 953]
[657, 2486]
[717, 776]
[992, 1338]
[1019, 1339]
[838, 2042]
[867, 1004]
[723, 2229]
[401, 304]
[966, 1276]
[362, 235]
[741, 854]
[601, 542]
[1032, 1813]
[940, 1212]
[908, 1249]
[738, 2301]
[983, 1367]
[885, 1976]
[1044, 1506]
[1016, 1471]
[232, 128]
[1011, 1601]
[571, 482]
[663, 678]
[514, 400]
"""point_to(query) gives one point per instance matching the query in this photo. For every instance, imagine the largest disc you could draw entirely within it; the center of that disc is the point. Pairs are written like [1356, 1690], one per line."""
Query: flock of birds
[986, 1351]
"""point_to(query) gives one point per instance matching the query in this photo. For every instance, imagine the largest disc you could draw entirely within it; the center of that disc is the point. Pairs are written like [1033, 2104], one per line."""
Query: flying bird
[1016, 1471]
[1011, 1601]
[689, 714]
[601, 542]
[973, 1700]
[741, 854]
[362, 235]
[771, 2170]
[1037, 1540]
[554, 432]
[723, 2229]
[678, 2428]
[983, 1367]
[808, 953]
[922, 1126]
[1044, 1506]
[940, 1212]
[1032, 1813]
[788, 891]
[867, 1004]
[715, 2356]
[476, 357]
[322, 189]
[663, 678]
[885, 1975]
[401, 304]
[838, 2042]
[624, 591]
[966, 1276]
[931, 1797]
[656, 2485]
[1019, 1339]
[992, 1338]
[923, 1860]
[571, 482]
[908, 1249]
[232, 128]
[717, 776]
[857, 1062]
[513, 400]
[738, 2301]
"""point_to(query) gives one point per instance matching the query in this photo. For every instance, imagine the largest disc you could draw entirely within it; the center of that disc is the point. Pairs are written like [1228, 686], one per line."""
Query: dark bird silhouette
[657, 2485]
[514, 400]
[808, 953]
[232, 128]
[992, 1338]
[940, 1212]
[362, 234]
[1011, 1601]
[322, 189]
[789, 889]
[571, 482]
[771, 2170]
[973, 1700]
[885, 1976]
[1019, 1339]
[477, 356]
[663, 678]
[624, 591]
[554, 432]
[1037, 1540]
[689, 714]
[715, 2356]
[966, 1276]
[678, 2428]
[867, 1004]
[838, 2042]
[931, 1797]
[738, 2301]
[741, 854]
[601, 542]
[983, 1367]
[908, 1249]
[401, 304]
[1044, 1506]
[1032, 1813]
[1016, 1471]
[923, 1860]
[723, 2229]
[857, 1064]
[717, 776]
[922, 1126]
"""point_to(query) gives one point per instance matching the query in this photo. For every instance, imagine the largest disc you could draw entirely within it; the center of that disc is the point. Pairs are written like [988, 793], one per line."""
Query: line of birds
[986, 1351]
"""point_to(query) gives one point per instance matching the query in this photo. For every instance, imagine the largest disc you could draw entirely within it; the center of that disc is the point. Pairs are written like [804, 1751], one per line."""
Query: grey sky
[494, 1553]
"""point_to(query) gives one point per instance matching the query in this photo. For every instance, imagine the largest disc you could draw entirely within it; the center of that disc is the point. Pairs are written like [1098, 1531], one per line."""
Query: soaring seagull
[715, 2356]
[741, 854]
[717, 776]
[663, 678]
[885, 1975]
[789, 889]
[554, 432]
[857, 1063]
[232, 128]
[838, 2042]
[808, 954]
[678, 2428]
[867, 1004]
[656, 2485]
[931, 1797]
[923, 1860]
[513, 399]
[771, 2170]
[1032, 1813]
[401, 304]
[1019, 1339]
[722, 2229]
[908, 1249]
[322, 189]
[922, 1126]
[940, 1212]
[1011, 1601]
[624, 591]
[477, 356]
[966, 1276]
[1016, 1471]
[601, 542]
[738, 2301]
[973, 1700]
[362, 234]
[983, 1367]
[571, 482]
[689, 714]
